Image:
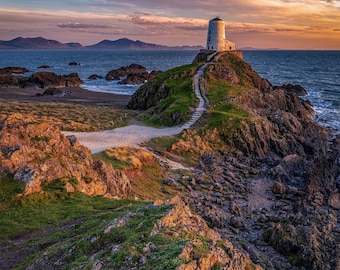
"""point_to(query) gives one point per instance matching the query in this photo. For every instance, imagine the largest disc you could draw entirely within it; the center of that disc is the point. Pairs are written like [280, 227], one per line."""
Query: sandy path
[133, 135]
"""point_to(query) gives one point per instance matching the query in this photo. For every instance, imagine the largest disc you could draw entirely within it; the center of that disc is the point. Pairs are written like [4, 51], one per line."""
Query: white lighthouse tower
[216, 37]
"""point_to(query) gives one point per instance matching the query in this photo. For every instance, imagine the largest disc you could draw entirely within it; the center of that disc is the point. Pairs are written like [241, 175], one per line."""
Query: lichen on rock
[38, 153]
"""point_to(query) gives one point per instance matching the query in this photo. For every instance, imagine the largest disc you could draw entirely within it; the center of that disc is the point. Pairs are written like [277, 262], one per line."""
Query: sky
[285, 24]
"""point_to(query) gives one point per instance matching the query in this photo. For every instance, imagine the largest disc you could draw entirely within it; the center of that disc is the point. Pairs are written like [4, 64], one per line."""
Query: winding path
[133, 135]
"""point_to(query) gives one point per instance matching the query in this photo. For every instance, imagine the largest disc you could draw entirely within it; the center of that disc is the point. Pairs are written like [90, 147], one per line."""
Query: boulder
[45, 79]
[74, 64]
[278, 188]
[45, 66]
[13, 70]
[116, 74]
[95, 77]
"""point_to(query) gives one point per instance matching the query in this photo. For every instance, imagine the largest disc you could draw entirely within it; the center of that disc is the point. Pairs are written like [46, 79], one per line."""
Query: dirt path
[133, 135]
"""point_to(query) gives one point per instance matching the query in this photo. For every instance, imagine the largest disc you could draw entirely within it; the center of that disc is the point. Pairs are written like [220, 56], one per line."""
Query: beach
[74, 95]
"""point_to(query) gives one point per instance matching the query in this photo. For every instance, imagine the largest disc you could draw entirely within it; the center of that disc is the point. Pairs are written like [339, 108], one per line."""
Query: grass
[177, 107]
[144, 171]
[77, 230]
[223, 114]
[72, 117]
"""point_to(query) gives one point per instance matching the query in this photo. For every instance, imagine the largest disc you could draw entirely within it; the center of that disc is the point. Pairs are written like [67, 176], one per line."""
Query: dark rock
[278, 188]
[49, 79]
[13, 70]
[74, 64]
[52, 92]
[139, 78]
[95, 77]
[11, 80]
[290, 88]
[45, 66]
[116, 74]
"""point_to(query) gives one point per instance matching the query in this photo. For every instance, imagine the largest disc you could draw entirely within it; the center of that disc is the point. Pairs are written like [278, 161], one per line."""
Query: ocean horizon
[317, 71]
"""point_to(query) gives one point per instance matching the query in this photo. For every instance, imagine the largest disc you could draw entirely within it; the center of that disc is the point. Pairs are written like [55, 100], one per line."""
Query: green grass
[73, 229]
[116, 163]
[177, 107]
[222, 114]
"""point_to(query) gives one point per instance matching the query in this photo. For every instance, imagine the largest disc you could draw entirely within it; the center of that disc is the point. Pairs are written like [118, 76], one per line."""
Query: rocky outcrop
[8, 79]
[45, 66]
[139, 78]
[41, 79]
[95, 77]
[272, 185]
[13, 70]
[116, 74]
[154, 93]
[134, 74]
[38, 154]
[215, 252]
[50, 79]
[73, 64]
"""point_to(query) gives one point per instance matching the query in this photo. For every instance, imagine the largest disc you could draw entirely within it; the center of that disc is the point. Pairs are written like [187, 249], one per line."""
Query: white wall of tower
[216, 37]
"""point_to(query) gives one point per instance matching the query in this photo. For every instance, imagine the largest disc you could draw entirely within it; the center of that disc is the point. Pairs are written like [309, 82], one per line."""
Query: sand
[77, 95]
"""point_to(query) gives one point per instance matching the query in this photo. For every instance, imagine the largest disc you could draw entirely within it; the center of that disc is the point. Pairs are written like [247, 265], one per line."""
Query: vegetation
[75, 230]
[72, 117]
[222, 114]
[221, 122]
[177, 105]
[144, 171]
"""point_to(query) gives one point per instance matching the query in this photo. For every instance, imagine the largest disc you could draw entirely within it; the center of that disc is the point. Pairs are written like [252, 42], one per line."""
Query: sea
[317, 71]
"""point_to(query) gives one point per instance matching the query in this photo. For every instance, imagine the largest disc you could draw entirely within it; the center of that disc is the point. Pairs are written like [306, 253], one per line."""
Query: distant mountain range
[40, 43]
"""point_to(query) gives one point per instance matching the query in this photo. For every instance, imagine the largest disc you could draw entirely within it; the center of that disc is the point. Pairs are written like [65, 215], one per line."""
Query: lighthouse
[216, 37]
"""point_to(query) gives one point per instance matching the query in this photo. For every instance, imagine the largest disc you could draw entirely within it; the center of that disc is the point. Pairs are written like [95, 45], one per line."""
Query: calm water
[317, 71]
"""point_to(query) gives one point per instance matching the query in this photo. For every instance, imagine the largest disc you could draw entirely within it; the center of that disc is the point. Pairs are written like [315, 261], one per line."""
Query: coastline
[77, 95]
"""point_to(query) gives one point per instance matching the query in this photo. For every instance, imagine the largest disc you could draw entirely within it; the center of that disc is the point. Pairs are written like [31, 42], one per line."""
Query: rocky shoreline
[272, 186]
[269, 187]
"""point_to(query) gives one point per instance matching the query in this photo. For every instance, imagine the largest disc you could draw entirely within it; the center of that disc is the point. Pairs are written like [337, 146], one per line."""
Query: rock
[37, 154]
[116, 74]
[9, 80]
[45, 79]
[52, 92]
[158, 203]
[334, 201]
[182, 221]
[45, 66]
[13, 70]
[290, 88]
[95, 77]
[73, 64]
[278, 188]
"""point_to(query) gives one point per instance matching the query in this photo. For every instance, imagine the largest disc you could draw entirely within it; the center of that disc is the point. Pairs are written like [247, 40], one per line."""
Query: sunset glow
[286, 24]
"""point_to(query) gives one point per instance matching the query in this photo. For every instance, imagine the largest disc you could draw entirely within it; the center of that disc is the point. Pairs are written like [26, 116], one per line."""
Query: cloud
[84, 25]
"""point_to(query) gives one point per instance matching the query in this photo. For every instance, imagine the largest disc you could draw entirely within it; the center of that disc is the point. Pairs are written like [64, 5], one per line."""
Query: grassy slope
[71, 228]
[222, 116]
[176, 108]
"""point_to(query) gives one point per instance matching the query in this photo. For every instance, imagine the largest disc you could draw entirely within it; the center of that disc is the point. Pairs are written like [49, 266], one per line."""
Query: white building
[216, 37]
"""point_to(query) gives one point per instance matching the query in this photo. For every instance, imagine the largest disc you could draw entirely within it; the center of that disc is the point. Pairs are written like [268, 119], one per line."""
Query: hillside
[268, 170]
[40, 43]
[260, 190]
